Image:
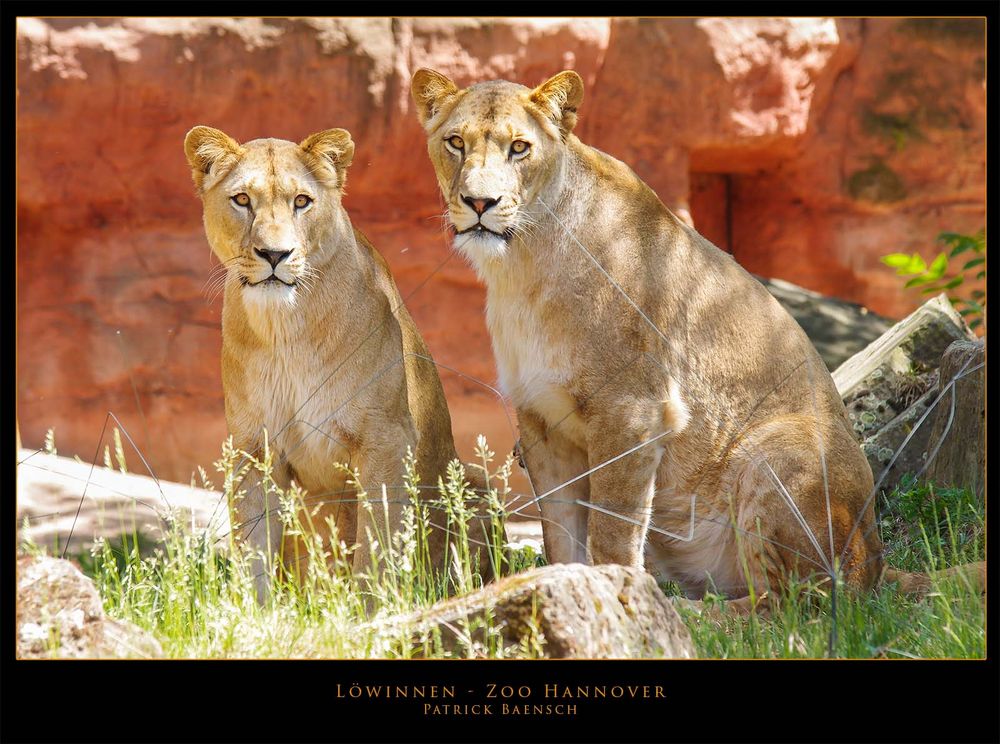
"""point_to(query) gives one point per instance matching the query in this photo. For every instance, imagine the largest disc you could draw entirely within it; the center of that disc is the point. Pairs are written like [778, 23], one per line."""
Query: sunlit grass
[195, 593]
[925, 529]
[196, 596]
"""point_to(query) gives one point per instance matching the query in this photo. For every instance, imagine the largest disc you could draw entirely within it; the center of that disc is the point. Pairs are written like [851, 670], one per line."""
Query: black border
[291, 701]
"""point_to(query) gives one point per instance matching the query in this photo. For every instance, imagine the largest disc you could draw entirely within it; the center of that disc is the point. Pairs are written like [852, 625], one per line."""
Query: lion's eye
[242, 200]
[302, 201]
[457, 142]
[519, 147]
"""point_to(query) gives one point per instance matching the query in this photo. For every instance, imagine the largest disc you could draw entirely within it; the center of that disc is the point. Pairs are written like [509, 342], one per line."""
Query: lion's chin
[481, 246]
[270, 295]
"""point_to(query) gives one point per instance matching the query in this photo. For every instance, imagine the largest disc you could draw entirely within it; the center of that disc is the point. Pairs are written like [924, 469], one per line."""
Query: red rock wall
[836, 142]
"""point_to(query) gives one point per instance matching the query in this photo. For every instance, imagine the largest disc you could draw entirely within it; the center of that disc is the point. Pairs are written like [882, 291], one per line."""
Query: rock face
[960, 421]
[806, 147]
[570, 611]
[889, 386]
[59, 615]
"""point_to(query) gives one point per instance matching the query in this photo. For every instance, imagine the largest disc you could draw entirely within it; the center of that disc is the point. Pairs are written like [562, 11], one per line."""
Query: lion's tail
[919, 584]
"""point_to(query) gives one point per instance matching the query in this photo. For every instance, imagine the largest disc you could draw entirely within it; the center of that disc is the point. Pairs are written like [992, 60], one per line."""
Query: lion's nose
[480, 204]
[272, 257]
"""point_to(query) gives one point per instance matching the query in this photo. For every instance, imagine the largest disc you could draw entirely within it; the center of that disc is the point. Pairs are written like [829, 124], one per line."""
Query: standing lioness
[671, 411]
[317, 347]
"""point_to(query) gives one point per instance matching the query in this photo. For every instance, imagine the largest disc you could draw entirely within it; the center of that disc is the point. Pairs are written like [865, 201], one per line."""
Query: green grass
[196, 595]
[924, 529]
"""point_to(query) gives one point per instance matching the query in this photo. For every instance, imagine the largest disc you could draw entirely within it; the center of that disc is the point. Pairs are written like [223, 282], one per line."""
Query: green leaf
[941, 287]
[977, 294]
[937, 267]
[974, 262]
[976, 323]
[962, 243]
[962, 246]
[981, 274]
[918, 280]
[967, 311]
[905, 264]
[896, 260]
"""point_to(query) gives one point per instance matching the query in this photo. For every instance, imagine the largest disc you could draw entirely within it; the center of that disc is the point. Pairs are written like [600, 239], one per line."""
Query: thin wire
[36, 452]
[84, 494]
[906, 441]
[93, 465]
[606, 274]
[61, 474]
[944, 434]
[593, 470]
[649, 526]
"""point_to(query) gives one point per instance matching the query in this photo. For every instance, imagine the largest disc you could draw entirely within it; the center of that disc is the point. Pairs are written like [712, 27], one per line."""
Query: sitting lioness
[672, 413]
[318, 350]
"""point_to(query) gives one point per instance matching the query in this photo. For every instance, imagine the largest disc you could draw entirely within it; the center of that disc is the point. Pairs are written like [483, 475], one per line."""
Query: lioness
[317, 347]
[672, 413]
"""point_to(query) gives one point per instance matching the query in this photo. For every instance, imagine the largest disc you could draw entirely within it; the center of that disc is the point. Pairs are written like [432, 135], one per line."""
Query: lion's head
[496, 148]
[271, 206]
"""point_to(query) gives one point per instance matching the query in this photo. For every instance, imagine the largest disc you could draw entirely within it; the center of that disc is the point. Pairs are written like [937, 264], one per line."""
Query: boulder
[565, 611]
[60, 615]
[57, 496]
[959, 424]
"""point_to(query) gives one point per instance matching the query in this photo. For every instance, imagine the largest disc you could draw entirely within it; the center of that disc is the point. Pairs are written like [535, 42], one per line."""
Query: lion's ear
[431, 91]
[559, 97]
[334, 149]
[210, 152]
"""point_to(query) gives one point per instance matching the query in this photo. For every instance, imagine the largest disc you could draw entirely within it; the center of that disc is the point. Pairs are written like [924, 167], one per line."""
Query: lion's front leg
[552, 461]
[380, 516]
[257, 523]
[621, 490]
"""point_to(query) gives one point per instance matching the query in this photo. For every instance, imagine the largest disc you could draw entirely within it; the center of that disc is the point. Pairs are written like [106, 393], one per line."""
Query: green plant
[50, 443]
[119, 452]
[920, 522]
[935, 277]
[195, 592]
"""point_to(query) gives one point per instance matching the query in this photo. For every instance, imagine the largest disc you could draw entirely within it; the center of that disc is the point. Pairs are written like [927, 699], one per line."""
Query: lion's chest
[286, 395]
[533, 365]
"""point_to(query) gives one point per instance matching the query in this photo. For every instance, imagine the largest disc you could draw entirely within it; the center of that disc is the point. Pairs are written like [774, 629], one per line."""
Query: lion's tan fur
[334, 370]
[752, 426]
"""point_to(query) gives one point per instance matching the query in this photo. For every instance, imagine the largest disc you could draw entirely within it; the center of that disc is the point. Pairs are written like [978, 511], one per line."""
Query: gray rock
[49, 506]
[60, 615]
[562, 611]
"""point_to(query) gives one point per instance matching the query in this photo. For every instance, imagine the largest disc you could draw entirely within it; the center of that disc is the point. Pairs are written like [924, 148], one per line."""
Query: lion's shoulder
[366, 245]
